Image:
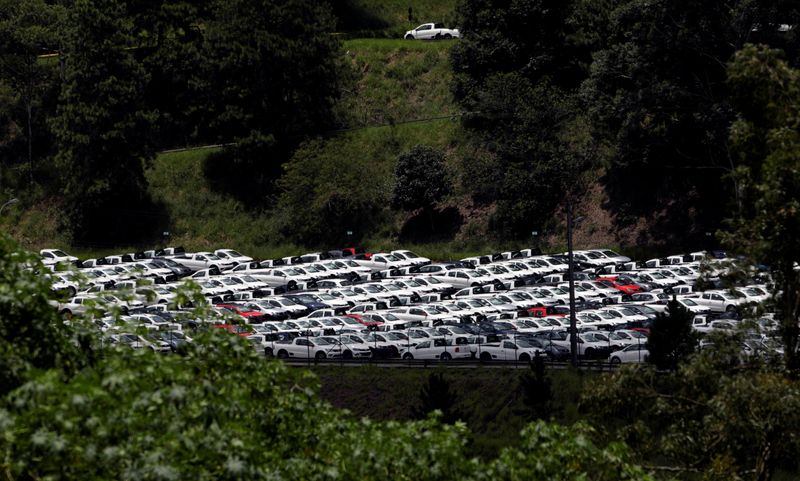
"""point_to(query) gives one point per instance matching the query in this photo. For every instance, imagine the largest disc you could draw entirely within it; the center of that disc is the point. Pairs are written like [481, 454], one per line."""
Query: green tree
[710, 415]
[671, 338]
[270, 78]
[537, 391]
[32, 336]
[348, 191]
[516, 72]
[28, 29]
[437, 395]
[660, 107]
[420, 178]
[765, 140]
[552, 452]
[102, 128]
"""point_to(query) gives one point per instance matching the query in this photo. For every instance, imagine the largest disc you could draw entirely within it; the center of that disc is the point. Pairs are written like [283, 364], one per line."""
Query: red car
[544, 312]
[237, 329]
[356, 251]
[251, 316]
[368, 323]
[620, 283]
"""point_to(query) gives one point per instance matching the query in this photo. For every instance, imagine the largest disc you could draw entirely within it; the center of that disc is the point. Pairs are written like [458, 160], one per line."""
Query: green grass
[202, 218]
[398, 81]
[489, 400]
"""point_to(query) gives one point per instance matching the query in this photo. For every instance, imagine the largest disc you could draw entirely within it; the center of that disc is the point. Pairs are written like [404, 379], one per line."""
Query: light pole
[10, 202]
[573, 329]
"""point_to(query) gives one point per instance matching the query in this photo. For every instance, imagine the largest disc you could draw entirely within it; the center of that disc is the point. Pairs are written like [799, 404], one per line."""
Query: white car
[509, 350]
[432, 31]
[411, 257]
[721, 301]
[308, 348]
[232, 255]
[54, 256]
[633, 353]
[135, 341]
[439, 348]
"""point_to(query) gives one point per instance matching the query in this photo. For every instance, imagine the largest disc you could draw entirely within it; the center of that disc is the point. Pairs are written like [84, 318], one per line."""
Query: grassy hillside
[489, 400]
[401, 98]
[398, 81]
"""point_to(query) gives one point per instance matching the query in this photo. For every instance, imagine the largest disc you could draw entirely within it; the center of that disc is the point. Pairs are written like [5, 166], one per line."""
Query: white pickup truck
[203, 260]
[432, 31]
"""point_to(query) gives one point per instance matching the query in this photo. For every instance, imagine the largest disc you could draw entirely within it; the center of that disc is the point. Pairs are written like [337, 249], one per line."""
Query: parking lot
[352, 305]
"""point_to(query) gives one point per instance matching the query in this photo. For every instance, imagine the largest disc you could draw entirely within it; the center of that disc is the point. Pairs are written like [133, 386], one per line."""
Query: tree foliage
[516, 72]
[270, 79]
[436, 395]
[765, 140]
[28, 29]
[102, 126]
[710, 415]
[32, 335]
[420, 178]
[672, 338]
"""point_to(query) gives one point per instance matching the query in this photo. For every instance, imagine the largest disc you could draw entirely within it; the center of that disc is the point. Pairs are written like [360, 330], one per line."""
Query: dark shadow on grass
[432, 225]
[123, 221]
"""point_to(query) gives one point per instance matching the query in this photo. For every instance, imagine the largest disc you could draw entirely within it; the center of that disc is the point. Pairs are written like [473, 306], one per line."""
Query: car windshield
[323, 341]
[233, 253]
[610, 253]
[689, 302]
[396, 336]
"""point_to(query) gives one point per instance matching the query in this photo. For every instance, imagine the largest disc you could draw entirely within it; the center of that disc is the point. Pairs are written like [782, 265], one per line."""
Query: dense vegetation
[622, 108]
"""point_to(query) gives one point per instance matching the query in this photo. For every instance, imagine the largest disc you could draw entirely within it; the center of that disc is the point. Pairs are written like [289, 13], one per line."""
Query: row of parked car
[350, 303]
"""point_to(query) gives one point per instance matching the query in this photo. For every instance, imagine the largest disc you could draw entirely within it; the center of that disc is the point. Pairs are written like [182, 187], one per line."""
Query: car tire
[66, 314]
[474, 284]
[588, 353]
[409, 37]
[486, 357]
[283, 354]
[730, 308]
[320, 355]
[616, 360]
[524, 358]
[268, 352]
[393, 352]
[407, 356]
[447, 36]
[347, 355]
[71, 290]
[445, 357]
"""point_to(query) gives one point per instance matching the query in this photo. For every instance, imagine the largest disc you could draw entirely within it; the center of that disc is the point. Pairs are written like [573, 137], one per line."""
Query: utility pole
[573, 328]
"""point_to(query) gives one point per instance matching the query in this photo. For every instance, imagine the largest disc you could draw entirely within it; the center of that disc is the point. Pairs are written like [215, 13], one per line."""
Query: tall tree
[516, 72]
[102, 127]
[28, 29]
[660, 107]
[671, 338]
[271, 79]
[766, 143]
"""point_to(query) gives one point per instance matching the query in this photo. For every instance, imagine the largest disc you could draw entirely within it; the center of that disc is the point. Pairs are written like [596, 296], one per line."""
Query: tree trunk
[28, 109]
[764, 465]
